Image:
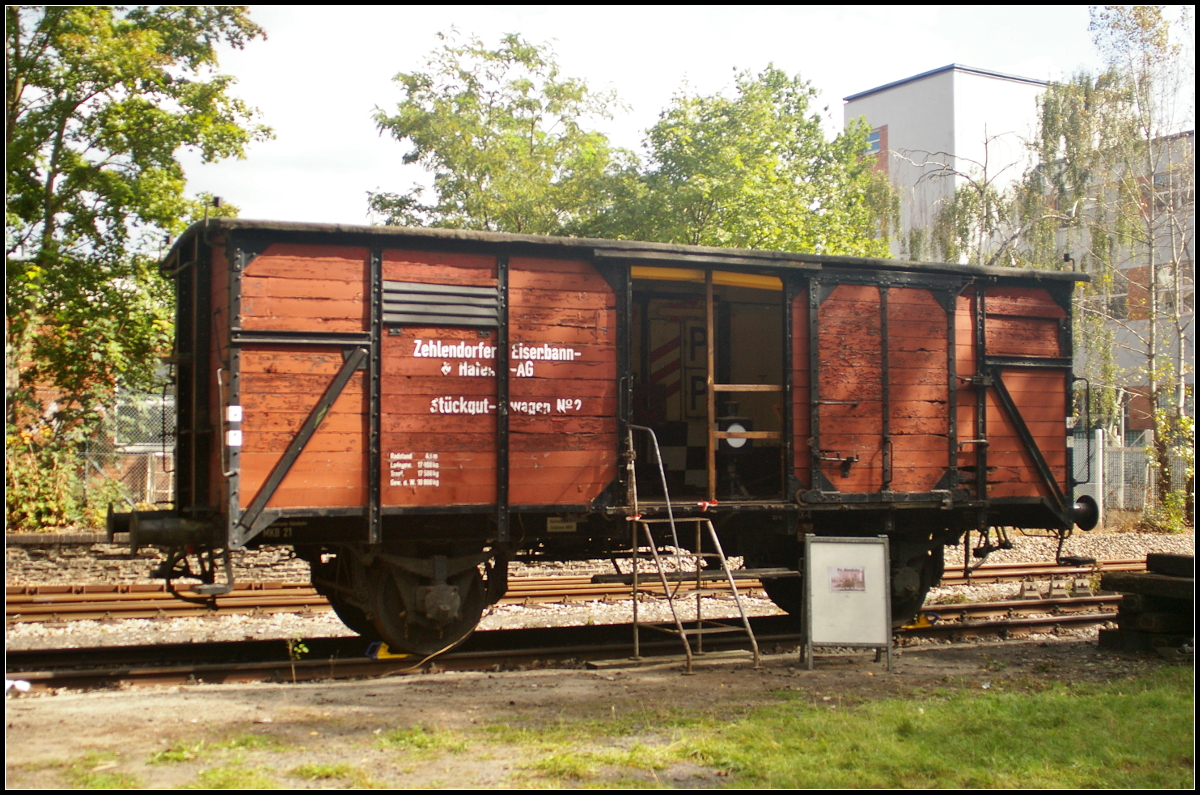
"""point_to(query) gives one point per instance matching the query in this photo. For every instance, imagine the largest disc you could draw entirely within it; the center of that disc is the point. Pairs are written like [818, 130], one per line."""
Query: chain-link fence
[1123, 477]
[132, 459]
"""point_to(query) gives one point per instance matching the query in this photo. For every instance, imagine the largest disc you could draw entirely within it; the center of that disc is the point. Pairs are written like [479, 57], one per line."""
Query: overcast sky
[323, 71]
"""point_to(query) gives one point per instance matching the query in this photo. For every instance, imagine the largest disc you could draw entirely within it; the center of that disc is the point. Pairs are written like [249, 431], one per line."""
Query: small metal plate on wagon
[555, 524]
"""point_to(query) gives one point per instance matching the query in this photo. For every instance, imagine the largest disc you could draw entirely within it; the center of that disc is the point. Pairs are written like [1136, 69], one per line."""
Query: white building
[935, 131]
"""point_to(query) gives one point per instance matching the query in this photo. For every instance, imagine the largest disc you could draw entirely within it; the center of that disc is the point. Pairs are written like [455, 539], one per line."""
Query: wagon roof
[624, 250]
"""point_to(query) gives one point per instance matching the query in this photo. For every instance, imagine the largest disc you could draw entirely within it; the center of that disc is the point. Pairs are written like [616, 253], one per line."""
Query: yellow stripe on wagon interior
[726, 278]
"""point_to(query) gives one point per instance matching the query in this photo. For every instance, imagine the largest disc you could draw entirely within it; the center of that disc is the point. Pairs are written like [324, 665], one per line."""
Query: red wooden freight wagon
[412, 409]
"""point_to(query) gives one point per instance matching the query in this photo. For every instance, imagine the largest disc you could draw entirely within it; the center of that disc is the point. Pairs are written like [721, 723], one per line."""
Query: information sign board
[847, 593]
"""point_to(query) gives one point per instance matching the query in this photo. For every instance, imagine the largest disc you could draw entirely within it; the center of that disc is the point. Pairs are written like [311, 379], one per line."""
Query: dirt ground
[431, 730]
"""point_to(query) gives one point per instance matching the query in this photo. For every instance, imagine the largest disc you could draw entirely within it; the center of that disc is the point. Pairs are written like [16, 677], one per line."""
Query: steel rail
[338, 658]
[57, 603]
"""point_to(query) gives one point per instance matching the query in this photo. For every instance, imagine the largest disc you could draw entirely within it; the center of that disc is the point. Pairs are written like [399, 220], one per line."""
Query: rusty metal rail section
[344, 658]
[56, 603]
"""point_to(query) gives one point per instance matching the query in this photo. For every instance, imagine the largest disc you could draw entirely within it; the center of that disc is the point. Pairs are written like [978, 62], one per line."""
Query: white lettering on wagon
[544, 352]
[464, 405]
[461, 405]
[524, 355]
[407, 470]
[436, 349]
[474, 370]
[529, 407]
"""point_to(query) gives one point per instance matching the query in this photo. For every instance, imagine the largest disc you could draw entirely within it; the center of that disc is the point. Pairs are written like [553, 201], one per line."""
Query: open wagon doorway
[708, 373]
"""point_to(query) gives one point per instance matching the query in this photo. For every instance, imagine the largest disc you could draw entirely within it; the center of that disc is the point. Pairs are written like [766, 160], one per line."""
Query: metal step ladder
[642, 537]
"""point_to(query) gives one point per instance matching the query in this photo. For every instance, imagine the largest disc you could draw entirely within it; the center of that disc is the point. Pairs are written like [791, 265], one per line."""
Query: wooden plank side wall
[1022, 321]
[851, 379]
[1041, 397]
[297, 287]
[438, 429]
[302, 287]
[1019, 322]
[563, 423]
[439, 426]
[918, 389]
[801, 394]
[439, 423]
[280, 387]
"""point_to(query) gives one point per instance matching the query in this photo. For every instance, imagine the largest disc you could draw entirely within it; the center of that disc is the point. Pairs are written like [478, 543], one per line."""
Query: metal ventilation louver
[413, 304]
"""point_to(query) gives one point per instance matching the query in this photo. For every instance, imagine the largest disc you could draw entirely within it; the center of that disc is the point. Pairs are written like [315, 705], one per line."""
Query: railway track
[339, 658]
[59, 603]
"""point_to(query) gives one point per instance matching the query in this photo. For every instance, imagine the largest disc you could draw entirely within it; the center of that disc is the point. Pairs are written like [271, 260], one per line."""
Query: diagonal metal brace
[253, 521]
[1027, 438]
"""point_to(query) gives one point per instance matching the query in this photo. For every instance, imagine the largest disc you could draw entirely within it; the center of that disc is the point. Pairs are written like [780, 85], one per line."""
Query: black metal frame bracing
[337, 338]
[189, 363]
[239, 251]
[885, 391]
[949, 301]
[617, 275]
[980, 383]
[375, 401]
[502, 392]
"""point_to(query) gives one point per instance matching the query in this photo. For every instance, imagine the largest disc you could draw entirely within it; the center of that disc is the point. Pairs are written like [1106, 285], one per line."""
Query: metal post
[710, 381]
[633, 539]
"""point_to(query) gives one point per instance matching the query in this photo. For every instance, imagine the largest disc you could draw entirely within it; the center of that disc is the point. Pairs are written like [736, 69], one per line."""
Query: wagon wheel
[324, 575]
[354, 618]
[911, 582]
[787, 592]
[406, 629]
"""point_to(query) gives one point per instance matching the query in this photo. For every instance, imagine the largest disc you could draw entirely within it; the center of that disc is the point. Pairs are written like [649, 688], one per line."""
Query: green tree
[1145, 214]
[503, 134]
[99, 101]
[756, 171]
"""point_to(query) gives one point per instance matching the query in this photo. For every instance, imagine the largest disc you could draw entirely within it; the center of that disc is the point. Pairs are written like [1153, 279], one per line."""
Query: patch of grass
[564, 766]
[314, 772]
[357, 778]
[601, 752]
[426, 741]
[633, 724]
[191, 751]
[1019, 732]
[94, 771]
[1067, 735]
[249, 741]
[234, 777]
[178, 752]
[990, 663]
[607, 765]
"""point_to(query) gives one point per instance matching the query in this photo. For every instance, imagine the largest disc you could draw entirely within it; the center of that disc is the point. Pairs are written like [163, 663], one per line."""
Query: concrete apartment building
[932, 131]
